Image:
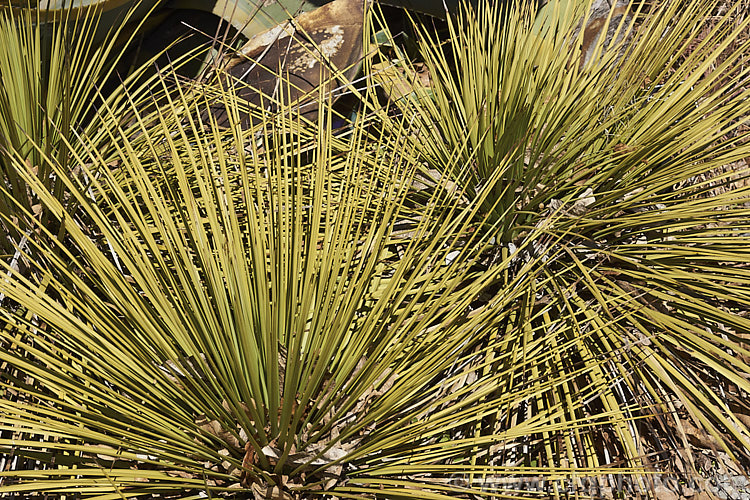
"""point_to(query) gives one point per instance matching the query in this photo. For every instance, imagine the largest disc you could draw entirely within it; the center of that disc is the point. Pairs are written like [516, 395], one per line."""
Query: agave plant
[635, 164]
[235, 326]
[518, 93]
[48, 73]
[58, 63]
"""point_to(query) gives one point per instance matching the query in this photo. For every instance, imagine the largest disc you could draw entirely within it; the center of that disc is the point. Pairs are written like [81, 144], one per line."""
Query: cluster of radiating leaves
[234, 315]
[529, 268]
[634, 164]
[51, 65]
